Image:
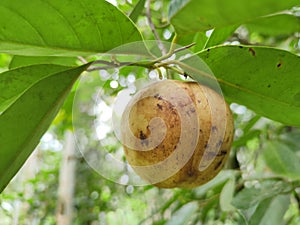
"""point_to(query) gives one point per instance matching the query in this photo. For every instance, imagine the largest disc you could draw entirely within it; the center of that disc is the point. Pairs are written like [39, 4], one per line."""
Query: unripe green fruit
[177, 134]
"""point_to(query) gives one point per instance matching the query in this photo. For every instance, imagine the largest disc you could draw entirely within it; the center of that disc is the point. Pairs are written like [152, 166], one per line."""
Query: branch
[153, 29]
[184, 47]
[154, 64]
[116, 64]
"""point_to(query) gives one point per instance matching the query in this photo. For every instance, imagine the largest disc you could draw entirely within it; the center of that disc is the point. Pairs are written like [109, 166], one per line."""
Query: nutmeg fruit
[177, 134]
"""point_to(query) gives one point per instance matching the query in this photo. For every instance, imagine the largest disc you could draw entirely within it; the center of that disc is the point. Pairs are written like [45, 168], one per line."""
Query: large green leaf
[189, 16]
[282, 24]
[21, 61]
[252, 196]
[226, 196]
[282, 160]
[23, 123]
[271, 211]
[137, 10]
[201, 41]
[15, 82]
[184, 215]
[69, 27]
[265, 80]
[219, 36]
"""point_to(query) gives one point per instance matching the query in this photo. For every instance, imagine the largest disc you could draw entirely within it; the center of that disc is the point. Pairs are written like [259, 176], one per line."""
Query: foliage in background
[253, 56]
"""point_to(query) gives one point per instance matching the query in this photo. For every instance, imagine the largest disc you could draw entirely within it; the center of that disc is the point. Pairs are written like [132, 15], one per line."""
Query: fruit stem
[177, 70]
[160, 75]
[169, 76]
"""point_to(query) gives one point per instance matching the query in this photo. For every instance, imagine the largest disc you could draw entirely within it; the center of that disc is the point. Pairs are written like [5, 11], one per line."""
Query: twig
[153, 29]
[170, 52]
[175, 69]
[104, 62]
[99, 68]
[154, 64]
[113, 64]
[108, 65]
[184, 47]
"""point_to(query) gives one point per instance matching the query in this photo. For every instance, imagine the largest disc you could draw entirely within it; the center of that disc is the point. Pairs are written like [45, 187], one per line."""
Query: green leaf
[250, 197]
[251, 123]
[226, 196]
[190, 16]
[198, 38]
[291, 138]
[21, 61]
[217, 183]
[4, 61]
[64, 119]
[271, 211]
[23, 123]
[184, 215]
[260, 211]
[242, 141]
[137, 10]
[263, 79]
[219, 36]
[15, 82]
[282, 160]
[69, 28]
[282, 24]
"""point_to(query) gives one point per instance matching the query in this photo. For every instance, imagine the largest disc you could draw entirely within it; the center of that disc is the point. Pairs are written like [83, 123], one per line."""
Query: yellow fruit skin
[192, 143]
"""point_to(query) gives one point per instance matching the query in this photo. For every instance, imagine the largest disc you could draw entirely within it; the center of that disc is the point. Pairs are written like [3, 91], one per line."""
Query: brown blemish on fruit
[191, 173]
[158, 96]
[218, 165]
[143, 138]
[142, 135]
[214, 128]
[223, 152]
[220, 142]
[159, 106]
[172, 109]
